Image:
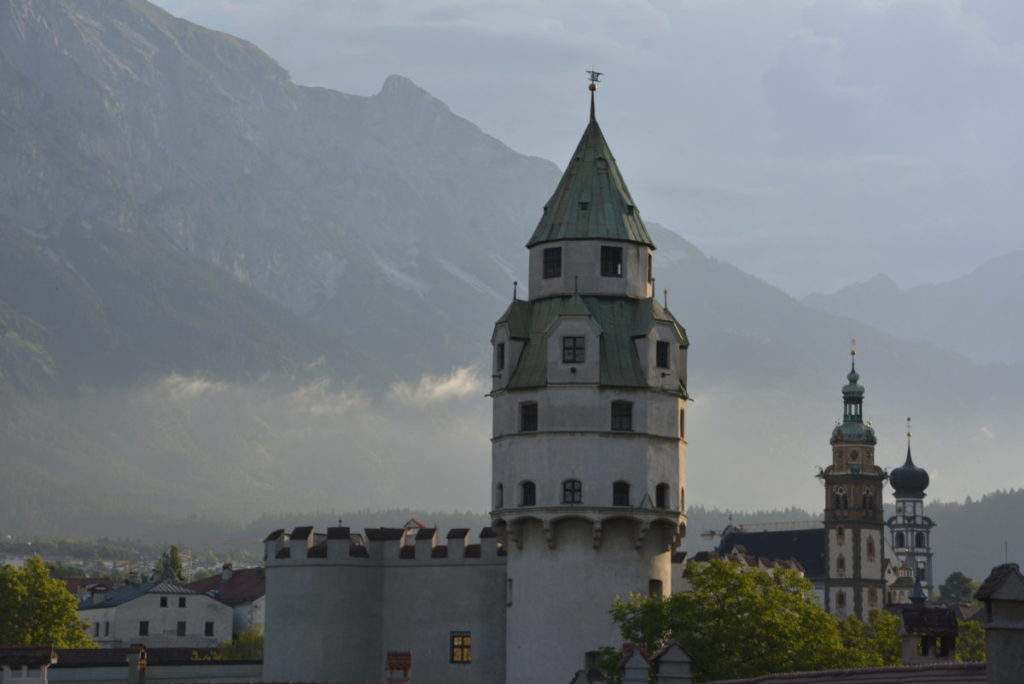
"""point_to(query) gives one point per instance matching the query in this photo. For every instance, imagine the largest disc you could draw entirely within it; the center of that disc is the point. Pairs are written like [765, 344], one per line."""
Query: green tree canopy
[970, 642]
[38, 610]
[743, 622]
[958, 588]
[169, 564]
[873, 643]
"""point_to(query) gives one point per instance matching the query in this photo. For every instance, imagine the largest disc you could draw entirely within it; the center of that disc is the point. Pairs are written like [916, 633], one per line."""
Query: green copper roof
[620, 320]
[591, 201]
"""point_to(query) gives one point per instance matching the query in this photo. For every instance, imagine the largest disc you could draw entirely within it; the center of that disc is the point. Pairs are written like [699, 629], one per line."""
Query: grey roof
[620, 320]
[806, 546]
[128, 592]
[591, 201]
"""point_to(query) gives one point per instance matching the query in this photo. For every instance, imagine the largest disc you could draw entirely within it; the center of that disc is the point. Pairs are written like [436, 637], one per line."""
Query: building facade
[910, 530]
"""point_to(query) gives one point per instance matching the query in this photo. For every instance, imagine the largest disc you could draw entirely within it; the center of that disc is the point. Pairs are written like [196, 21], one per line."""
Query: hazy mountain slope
[211, 280]
[975, 315]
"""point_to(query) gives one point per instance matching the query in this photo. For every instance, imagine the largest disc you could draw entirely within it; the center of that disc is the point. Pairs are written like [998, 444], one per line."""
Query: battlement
[410, 545]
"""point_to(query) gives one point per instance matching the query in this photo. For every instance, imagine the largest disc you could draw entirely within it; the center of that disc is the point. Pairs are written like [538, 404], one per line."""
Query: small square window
[622, 415]
[662, 354]
[181, 602]
[181, 629]
[209, 629]
[611, 262]
[460, 648]
[144, 628]
[573, 349]
[528, 417]
[553, 262]
[163, 601]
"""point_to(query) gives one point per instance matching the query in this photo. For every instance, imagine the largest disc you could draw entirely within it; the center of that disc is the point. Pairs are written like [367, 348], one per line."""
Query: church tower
[910, 529]
[855, 579]
[589, 399]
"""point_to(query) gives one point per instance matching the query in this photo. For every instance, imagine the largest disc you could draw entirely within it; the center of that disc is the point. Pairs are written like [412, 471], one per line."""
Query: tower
[589, 398]
[854, 574]
[910, 529]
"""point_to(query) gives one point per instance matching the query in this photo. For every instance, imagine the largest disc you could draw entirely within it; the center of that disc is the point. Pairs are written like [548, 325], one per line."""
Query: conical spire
[592, 201]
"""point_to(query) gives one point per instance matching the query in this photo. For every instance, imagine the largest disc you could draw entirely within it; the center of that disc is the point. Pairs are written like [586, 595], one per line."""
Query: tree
[970, 643]
[739, 622]
[38, 610]
[247, 646]
[873, 643]
[958, 588]
[169, 564]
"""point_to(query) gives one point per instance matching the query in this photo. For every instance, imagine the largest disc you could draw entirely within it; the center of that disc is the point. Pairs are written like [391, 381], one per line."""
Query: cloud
[182, 387]
[430, 389]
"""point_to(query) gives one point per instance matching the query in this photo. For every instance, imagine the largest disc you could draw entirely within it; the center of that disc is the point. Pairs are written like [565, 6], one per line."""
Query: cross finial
[595, 77]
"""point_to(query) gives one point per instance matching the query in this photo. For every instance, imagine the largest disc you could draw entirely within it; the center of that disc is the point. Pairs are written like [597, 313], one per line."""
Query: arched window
[841, 566]
[919, 541]
[901, 540]
[528, 494]
[682, 499]
[871, 548]
[840, 536]
[873, 597]
[622, 415]
[867, 498]
[841, 601]
[620, 494]
[661, 496]
[572, 492]
[499, 496]
[841, 499]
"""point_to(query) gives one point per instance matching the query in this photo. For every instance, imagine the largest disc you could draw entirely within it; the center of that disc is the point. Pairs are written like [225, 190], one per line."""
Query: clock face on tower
[854, 455]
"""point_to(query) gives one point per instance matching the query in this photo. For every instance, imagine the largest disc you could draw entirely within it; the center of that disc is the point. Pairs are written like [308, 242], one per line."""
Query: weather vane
[595, 78]
[853, 347]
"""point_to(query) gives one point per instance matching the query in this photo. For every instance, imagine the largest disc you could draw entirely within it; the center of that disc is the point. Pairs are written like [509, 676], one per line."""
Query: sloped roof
[929, 621]
[806, 546]
[77, 584]
[995, 580]
[591, 201]
[128, 592]
[620, 319]
[245, 585]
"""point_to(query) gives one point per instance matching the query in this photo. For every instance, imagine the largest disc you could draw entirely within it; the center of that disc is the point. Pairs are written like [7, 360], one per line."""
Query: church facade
[588, 481]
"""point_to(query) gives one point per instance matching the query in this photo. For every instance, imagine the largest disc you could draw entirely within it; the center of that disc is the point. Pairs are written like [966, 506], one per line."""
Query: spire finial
[908, 430]
[853, 353]
[595, 77]
[515, 290]
[665, 295]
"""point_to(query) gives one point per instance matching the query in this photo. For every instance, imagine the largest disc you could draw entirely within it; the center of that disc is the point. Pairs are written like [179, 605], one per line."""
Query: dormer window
[584, 206]
[553, 262]
[630, 209]
[573, 349]
[611, 262]
[661, 355]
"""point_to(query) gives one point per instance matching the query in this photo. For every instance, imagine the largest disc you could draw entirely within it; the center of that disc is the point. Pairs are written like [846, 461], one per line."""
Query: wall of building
[124, 619]
[581, 270]
[202, 671]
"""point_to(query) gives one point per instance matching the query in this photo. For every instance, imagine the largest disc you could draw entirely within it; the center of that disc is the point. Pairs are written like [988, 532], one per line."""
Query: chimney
[226, 572]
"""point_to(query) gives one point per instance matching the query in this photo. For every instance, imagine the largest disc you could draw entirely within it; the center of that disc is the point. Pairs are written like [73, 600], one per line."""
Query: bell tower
[855, 579]
[589, 414]
[910, 528]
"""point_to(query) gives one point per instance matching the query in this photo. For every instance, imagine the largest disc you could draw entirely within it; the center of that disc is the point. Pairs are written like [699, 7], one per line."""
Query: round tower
[588, 448]
[854, 549]
[910, 529]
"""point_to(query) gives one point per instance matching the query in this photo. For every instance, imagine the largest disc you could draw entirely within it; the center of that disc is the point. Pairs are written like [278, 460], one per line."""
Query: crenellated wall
[338, 601]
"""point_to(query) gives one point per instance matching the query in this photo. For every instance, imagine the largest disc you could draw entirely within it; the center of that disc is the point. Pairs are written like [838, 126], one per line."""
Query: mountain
[223, 294]
[972, 315]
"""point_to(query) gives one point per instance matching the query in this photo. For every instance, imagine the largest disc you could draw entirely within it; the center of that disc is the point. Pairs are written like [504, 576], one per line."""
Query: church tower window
[901, 540]
[661, 496]
[661, 357]
[919, 541]
[572, 492]
[499, 496]
[573, 349]
[620, 494]
[622, 416]
[871, 549]
[867, 499]
[840, 535]
[611, 262]
[528, 494]
[528, 416]
[841, 565]
[552, 262]
[499, 356]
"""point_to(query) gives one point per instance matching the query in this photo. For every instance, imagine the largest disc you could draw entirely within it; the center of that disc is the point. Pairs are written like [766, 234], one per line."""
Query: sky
[812, 143]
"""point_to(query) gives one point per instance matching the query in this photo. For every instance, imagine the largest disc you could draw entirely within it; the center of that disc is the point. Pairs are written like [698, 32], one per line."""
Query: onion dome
[908, 480]
[853, 429]
[853, 389]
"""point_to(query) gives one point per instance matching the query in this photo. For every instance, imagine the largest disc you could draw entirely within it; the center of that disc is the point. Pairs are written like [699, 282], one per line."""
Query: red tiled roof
[245, 585]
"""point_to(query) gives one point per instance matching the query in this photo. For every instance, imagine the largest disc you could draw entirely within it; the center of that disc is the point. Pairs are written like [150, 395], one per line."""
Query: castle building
[854, 541]
[910, 528]
[588, 486]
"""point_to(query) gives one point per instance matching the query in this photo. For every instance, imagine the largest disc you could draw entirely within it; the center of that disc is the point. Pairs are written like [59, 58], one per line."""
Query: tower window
[840, 536]
[573, 349]
[553, 262]
[460, 648]
[572, 492]
[499, 496]
[841, 499]
[144, 628]
[867, 498]
[499, 356]
[682, 499]
[661, 355]
[622, 415]
[584, 206]
[528, 416]
[919, 541]
[900, 541]
[682, 424]
[873, 597]
[620, 494]
[841, 601]
[650, 268]
[611, 262]
[528, 494]
[655, 588]
[508, 592]
[841, 566]
[661, 496]
[871, 549]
